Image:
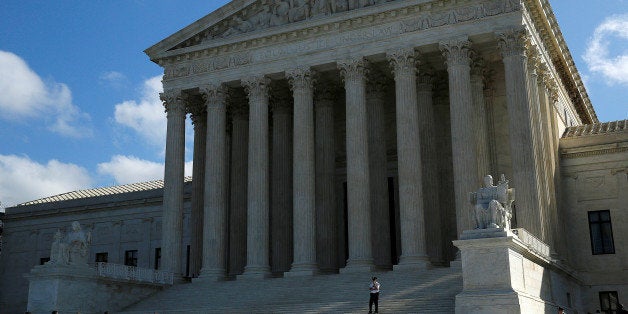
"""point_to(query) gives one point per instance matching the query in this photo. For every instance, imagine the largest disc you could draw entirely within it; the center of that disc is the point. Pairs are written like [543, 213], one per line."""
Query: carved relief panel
[596, 187]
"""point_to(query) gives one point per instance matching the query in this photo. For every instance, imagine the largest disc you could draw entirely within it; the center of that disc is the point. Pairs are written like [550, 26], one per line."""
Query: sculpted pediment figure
[245, 16]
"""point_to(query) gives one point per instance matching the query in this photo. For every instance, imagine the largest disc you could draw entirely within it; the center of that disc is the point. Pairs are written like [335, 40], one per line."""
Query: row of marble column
[415, 147]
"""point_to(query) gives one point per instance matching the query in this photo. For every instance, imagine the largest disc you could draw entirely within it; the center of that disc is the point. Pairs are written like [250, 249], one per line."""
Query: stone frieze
[423, 21]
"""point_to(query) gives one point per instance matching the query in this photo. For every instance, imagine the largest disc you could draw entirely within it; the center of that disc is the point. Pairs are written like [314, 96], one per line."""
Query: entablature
[208, 49]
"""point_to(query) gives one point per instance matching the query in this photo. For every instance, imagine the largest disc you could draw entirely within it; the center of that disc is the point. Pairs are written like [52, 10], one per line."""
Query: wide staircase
[427, 291]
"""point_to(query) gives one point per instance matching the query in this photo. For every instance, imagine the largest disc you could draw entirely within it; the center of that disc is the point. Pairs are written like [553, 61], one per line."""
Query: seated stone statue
[58, 250]
[78, 244]
[492, 204]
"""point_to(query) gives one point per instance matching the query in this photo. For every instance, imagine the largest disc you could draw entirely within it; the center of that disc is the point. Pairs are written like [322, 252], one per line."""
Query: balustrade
[132, 273]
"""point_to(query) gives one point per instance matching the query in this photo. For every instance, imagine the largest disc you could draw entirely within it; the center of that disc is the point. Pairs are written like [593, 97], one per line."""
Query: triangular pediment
[240, 17]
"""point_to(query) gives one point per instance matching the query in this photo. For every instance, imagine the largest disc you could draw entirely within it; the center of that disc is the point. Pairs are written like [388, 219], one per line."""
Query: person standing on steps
[374, 292]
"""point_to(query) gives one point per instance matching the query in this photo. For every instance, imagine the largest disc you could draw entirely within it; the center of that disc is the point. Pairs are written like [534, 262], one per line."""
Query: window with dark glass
[608, 302]
[157, 258]
[130, 258]
[102, 257]
[601, 232]
[44, 260]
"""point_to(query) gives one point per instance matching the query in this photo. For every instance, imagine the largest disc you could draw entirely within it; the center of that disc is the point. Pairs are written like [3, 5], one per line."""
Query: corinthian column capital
[281, 99]
[325, 93]
[478, 67]
[197, 113]
[456, 51]
[512, 42]
[214, 95]
[376, 84]
[404, 61]
[534, 60]
[353, 69]
[256, 86]
[174, 101]
[425, 80]
[300, 78]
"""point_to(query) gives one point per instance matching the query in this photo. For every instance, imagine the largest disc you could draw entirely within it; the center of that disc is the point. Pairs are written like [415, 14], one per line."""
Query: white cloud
[145, 116]
[614, 30]
[23, 94]
[25, 180]
[130, 169]
[114, 78]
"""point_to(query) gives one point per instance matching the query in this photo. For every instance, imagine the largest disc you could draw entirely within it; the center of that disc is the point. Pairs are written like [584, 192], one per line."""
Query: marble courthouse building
[345, 136]
[403, 104]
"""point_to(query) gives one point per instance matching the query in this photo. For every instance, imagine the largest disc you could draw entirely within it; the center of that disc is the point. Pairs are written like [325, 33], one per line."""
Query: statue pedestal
[64, 288]
[500, 274]
[76, 288]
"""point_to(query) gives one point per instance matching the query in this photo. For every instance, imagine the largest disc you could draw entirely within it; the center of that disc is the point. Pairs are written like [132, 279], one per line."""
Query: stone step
[426, 291]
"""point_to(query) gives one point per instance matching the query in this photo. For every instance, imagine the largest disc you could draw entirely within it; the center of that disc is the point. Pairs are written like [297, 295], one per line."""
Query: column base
[255, 272]
[302, 270]
[413, 263]
[211, 275]
[359, 266]
[457, 262]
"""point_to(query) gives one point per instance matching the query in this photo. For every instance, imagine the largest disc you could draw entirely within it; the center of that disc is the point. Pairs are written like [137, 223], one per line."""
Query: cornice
[596, 129]
[545, 21]
[597, 152]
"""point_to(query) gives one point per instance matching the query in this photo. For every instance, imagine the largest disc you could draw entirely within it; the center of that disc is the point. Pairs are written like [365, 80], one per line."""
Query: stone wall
[594, 167]
[129, 221]
[69, 289]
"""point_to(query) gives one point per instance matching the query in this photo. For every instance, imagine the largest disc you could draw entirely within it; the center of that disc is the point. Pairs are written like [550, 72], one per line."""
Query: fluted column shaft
[537, 142]
[358, 176]
[172, 218]
[304, 176]
[326, 218]
[490, 130]
[481, 131]
[380, 220]
[548, 160]
[464, 155]
[281, 189]
[215, 217]
[411, 211]
[522, 151]
[199, 119]
[257, 253]
[238, 182]
[433, 211]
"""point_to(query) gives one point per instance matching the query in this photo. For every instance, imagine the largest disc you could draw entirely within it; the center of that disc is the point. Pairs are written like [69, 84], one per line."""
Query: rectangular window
[608, 302]
[601, 232]
[157, 258]
[44, 260]
[130, 258]
[102, 257]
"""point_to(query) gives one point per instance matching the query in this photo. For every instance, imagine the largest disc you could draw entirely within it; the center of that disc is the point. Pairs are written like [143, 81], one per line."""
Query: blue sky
[79, 103]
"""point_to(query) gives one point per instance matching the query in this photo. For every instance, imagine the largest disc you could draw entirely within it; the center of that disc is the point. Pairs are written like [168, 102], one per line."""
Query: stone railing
[533, 243]
[132, 273]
